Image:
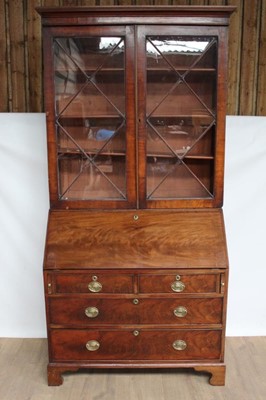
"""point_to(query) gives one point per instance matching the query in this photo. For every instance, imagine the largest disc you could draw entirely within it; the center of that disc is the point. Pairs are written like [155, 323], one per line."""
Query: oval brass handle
[180, 312]
[178, 286]
[179, 345]
[92, 312]
[95, 286]
[92, 345]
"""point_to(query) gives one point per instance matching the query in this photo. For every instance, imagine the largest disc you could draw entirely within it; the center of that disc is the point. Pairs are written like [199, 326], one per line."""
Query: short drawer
[179, 283]
[108, 345]
[92, 283]
[89, 311]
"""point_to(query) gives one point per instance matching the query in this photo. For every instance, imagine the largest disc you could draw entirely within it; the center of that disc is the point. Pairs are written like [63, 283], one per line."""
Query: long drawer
[76, 310]
[144, 344]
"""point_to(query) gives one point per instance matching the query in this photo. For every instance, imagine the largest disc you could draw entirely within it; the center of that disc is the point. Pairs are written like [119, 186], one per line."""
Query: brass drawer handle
[135, 301]
[178, 286]
[92, 345]
[180, 312]
[136, 333]
[92, 312]
[179, 345]
[94, 286]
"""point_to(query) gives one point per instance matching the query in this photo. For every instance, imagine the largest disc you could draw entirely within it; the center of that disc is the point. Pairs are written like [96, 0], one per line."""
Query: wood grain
[24, 67]
[123, 345]
[200, 311]
[261, 87]
[246, 370]
[18, 61]
[167, 239]
[4, 105]
[34, 56]
[234, 57]
[249, 57]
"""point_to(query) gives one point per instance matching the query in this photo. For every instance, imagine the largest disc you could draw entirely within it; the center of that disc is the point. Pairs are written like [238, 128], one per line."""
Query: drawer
[92, 283]
[90, 311]
[179, 283]
[112, 345]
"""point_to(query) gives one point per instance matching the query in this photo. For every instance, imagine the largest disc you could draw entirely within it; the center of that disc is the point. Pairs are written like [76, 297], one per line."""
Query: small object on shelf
[104, 134]
[177, 129]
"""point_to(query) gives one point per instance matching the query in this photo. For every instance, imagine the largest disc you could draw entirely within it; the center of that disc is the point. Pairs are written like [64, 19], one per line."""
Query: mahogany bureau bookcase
[135, 264]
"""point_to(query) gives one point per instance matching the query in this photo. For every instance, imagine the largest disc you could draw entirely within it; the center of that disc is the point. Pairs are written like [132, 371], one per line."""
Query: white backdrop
[23, 216]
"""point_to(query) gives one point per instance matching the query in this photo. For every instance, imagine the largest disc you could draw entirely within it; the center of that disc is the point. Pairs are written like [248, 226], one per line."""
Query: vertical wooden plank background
[4, 96]
[21, 59]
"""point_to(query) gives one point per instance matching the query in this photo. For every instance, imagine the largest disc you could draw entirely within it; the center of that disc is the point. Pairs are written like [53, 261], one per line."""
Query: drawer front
[91, 311]
[183, 283]
[109, 345]
[93, 283]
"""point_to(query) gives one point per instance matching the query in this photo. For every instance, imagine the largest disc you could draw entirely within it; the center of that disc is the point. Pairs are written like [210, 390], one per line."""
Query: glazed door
[179, 123]
[92, 101]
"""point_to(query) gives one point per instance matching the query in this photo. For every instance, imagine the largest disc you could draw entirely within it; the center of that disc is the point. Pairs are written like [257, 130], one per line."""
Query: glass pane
[181, 116]
[82, 179]
[90, 124]
[172, 179]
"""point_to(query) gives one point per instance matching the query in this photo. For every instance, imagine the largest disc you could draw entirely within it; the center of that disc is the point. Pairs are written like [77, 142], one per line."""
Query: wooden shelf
[72, 152]
[90, 70]
[152, 117]
[181, 69]
[91, 117]
[149, 69]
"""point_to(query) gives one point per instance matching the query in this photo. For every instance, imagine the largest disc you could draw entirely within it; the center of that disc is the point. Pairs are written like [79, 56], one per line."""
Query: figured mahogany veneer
[135, 264]
[123, 344]
[146, 311]
[156, 239]
[139, 314]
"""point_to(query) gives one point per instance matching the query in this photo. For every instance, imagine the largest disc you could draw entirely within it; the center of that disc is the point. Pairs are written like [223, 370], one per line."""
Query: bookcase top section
[136, 239]
[198, 15]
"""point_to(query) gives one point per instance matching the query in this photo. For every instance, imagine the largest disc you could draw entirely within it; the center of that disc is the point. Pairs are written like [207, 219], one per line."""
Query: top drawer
[92, 283]
[180, 283]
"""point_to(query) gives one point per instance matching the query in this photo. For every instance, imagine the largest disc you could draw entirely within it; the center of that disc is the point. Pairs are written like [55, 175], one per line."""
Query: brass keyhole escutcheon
[94, 286]
[180, 312]
[92, 345]
[179, 345]
[91, 312]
